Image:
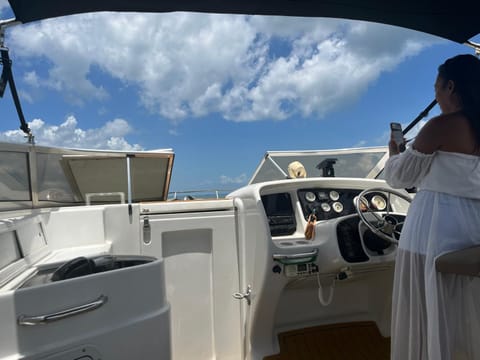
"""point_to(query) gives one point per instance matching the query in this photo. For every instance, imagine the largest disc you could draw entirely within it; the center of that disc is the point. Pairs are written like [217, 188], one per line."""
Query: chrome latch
[246, 295]
[147, 231]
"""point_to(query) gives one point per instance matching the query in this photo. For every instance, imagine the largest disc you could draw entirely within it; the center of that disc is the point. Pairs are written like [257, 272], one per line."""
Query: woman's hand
[393, 148]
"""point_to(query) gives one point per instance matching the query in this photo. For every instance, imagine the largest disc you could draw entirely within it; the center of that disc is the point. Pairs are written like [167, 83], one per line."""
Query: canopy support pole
[474, 46]
[7, 78]
[424, 113]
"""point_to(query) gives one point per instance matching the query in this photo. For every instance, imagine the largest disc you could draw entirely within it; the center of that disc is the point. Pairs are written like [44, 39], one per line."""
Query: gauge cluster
[332, 203]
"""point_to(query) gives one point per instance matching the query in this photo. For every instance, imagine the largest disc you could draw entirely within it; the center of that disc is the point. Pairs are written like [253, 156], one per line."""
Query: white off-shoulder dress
[436, 316]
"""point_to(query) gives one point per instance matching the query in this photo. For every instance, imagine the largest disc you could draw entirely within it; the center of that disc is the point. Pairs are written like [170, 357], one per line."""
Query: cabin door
[201, 273]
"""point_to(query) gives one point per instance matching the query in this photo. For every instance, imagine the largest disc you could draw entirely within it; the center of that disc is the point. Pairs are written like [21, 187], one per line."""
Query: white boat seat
[460, 262]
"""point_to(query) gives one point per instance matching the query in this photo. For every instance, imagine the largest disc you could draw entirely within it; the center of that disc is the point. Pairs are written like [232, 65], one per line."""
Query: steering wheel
[381, 224]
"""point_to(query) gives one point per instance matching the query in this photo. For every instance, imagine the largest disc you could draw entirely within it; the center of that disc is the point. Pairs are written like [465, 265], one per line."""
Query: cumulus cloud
[111, 136]
[3, 5]
[31, 79]
[173, 132]
[240, 179]
[361, 143]
[244, 68]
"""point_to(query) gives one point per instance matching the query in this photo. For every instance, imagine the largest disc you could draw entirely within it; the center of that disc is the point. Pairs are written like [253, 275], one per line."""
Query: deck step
[346, 341]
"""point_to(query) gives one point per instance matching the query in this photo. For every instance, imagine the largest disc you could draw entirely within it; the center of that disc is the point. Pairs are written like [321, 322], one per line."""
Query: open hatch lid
[454, 20]
[132, 177]
[38, 176]
[353, 163]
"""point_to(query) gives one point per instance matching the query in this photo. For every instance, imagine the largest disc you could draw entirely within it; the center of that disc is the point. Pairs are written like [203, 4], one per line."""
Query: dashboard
[341, 239]
[334, 208]
[325, 203]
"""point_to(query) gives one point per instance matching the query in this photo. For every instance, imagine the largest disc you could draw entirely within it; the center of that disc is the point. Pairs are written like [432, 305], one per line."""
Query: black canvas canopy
[455, 20]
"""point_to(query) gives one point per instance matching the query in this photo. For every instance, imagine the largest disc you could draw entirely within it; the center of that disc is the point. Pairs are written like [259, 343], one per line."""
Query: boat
[97, 262]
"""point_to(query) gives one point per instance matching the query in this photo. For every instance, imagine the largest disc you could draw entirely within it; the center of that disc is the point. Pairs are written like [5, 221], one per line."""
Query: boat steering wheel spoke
[382, 224]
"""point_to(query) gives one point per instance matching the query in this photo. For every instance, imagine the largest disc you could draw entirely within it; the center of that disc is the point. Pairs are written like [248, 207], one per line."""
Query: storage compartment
[113, 305]
[82, 266]
[280, 214]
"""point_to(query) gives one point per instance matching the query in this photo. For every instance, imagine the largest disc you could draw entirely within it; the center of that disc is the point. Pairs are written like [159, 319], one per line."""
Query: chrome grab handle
[77, 310]
[295, 256]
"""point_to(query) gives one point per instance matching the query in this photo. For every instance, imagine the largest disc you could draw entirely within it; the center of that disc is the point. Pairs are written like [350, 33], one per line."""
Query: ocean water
[198, 194]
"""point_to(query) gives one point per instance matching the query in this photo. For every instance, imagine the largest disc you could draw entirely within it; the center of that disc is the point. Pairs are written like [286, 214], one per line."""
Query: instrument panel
[325, 203]
[332, 203]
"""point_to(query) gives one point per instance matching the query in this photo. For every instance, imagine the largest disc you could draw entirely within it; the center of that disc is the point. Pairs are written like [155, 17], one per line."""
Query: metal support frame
[268, 157]
[474, 46]
[7, 78]
[4, 24]
[424, 113]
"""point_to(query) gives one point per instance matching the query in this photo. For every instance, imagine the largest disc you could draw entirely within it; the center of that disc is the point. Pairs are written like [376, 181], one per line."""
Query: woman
[436, 316]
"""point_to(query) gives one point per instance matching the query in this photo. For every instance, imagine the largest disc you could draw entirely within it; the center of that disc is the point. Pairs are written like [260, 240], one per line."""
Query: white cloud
[173, 132]
[361, 143]
[4, 5]
[31, 78]
[111, 136]
[241, 179]
[244, 68]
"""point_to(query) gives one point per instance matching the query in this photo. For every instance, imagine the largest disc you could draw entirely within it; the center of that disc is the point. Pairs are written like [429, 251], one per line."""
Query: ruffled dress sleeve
[407, 169]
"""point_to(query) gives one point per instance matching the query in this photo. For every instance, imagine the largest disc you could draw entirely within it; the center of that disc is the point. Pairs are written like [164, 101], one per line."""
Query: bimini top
[454, 20]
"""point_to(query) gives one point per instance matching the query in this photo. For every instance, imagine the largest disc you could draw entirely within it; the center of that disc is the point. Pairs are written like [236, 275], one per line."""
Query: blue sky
[220, 90]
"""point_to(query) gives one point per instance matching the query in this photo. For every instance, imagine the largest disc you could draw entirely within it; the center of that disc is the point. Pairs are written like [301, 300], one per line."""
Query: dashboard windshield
[350, 163]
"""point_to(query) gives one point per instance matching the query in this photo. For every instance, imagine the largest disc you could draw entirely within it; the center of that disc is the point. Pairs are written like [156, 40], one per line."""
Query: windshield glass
[352, 163]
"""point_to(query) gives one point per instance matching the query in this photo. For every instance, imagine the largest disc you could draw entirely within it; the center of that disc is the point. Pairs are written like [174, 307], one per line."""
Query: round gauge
[310, 196]
[363, 203]
[378, 202]
[337, 207]
[325, 207]
[322, 195]
[334, 195]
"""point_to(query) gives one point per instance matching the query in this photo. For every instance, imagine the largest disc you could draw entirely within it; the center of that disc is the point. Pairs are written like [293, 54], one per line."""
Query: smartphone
[397, 135]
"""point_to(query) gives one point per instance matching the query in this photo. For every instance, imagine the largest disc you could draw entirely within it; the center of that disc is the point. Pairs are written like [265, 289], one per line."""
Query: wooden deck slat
[349, 341]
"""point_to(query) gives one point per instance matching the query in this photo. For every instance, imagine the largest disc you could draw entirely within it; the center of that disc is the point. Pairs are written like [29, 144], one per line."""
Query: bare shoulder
[430, 137]
[457, 134]
[449, 132]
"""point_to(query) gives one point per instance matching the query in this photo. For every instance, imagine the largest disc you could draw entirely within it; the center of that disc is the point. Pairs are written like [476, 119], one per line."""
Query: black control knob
[342, 275]
[277, 269]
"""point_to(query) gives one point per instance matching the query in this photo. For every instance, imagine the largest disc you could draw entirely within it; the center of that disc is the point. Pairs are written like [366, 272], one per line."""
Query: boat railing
[198, 194]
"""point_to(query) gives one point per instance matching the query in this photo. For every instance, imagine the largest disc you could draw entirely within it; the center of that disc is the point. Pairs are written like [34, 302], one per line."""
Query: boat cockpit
[86, 224]
[342, 268]
[96, 263]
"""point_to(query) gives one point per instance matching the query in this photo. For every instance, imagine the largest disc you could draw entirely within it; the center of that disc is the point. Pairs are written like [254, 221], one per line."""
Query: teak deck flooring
[349, 341]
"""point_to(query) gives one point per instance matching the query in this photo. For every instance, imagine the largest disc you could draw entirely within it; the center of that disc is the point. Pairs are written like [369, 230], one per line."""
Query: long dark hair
[464, 71]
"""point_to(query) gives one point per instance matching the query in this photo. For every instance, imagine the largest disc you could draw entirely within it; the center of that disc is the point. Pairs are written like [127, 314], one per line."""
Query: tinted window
[14, 178]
